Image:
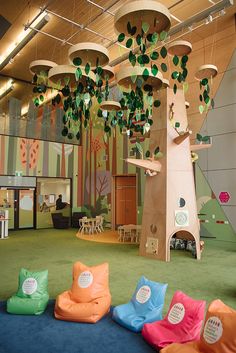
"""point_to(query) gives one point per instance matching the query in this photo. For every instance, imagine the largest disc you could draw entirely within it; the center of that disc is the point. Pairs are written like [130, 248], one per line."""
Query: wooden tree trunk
[86, 171]
[90, 162]
[95, 178]
[114, 155]
[80, 198]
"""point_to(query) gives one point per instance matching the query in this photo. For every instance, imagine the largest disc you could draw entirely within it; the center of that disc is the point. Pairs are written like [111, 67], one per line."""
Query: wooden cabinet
[125, 200]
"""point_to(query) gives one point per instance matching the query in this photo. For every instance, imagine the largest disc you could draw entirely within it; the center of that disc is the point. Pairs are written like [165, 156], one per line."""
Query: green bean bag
[32, 295]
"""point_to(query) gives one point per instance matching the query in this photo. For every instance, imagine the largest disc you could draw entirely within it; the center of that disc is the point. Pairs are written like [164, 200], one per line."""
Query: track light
[6, 89]
[25, 36]
[222, 12]
[209, 19]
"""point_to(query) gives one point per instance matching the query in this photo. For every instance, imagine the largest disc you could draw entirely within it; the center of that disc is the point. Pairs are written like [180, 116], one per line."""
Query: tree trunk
[114, 154]
[2, 155]
[86, 172]
[80, 198]
[125, 154]
[95, 178]
[63, 161]
[90, 161]
[108, 167]
[45, 158]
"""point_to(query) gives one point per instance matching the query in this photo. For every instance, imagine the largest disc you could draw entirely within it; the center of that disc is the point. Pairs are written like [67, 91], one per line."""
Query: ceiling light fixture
[24, 37]
[175, 18]
[209, 19]
[6, 88]
[222, 12]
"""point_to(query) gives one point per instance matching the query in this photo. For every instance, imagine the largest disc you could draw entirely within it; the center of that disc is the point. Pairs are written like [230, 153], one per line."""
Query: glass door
[26, 208]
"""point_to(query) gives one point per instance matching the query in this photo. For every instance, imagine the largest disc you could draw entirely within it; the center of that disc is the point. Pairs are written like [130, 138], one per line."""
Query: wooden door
[125, 200]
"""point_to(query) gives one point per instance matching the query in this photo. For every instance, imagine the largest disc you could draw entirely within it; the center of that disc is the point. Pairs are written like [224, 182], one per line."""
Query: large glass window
[48, 200]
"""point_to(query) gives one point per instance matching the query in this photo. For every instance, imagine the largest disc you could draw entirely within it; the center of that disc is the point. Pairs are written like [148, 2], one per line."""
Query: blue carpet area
[45, 334]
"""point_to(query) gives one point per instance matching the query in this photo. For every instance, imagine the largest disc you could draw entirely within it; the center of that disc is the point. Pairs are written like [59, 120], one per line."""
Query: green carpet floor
[56, 250]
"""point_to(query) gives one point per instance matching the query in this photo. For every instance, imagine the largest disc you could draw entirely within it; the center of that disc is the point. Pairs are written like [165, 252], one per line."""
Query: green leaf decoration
[177, 125]
[180, 77]
[147, 154]
[185, 87]
[132, 58]
[149, 37]
[129, 27]
[99, 70]
[200, 97]
[157, 103]
[100, 83]
[99, 99]
[58, 98]
[163, 35]
[145, 27]
[64, 119]
[41, 97]
[85, 123]
[143, 59]
[77, 135]
[121, 37]
[80, 87]
[164, 67]
[138, 39]
[175, 60]
[147, 88]
[185, 73]
[184, 59]
[129, 43]
[77, 61]
[65, 91]
[212, 103]
[205, 138]
[155, 38]
[154, 69]
[157, 150]
[201, 108]
[99, 114]
[70, 136]
[204, 82]
[64, 131]
[87, 68]
[199, 137]
[145, 74]
[78, 74]
[175, 75]
[159, 155]
[139, 147]
[163, 52]
[35, 78]
[133, 78]
[36, 102]
[154, 55]
[133, 30]
[107, 129]
[175, 88]
[207, 100]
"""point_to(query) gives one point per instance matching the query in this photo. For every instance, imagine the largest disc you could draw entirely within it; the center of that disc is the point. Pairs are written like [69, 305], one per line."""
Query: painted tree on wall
[96, 146]
[2, 154]
[62, 151]
[29, 152]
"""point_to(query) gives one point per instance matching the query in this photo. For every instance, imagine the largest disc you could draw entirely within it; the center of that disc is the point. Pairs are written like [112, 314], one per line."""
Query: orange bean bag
[218, 334]
[89, 298]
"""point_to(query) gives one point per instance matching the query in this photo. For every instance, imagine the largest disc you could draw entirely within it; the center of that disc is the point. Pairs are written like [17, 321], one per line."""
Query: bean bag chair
[145, 306]
[218, 334]
[182, 323]
[32, 295]
[89, 298]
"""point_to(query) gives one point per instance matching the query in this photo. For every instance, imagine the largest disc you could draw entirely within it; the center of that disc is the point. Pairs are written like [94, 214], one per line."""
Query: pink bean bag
[218, 334]
[182, 323]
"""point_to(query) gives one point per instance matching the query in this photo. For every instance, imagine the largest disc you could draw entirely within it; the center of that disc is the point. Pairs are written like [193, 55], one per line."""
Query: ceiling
[20, 12]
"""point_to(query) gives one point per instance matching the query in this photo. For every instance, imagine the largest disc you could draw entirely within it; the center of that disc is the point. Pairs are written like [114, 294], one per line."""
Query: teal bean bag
[32, 295]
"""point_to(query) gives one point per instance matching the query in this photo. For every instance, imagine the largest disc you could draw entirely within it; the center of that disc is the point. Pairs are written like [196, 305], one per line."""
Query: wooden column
[169, 200]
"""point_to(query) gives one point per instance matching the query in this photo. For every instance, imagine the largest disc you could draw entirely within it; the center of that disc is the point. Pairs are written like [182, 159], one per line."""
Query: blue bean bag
[145, 306]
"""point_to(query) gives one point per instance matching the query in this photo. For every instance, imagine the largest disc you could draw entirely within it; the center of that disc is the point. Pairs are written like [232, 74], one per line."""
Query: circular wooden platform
[180, 48]
[206, 71]
[38, 66]
[92, 53]
[125, 74]
[110, 105]
[60, 72]
[108, 236]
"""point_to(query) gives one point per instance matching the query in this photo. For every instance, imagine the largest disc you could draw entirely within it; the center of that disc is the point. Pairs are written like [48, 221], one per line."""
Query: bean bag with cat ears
[145, 306]
[182, 323]
[218, 334]
[89, 298]
[32, 294]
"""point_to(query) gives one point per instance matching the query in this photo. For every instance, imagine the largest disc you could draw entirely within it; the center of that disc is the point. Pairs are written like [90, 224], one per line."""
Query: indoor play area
[117, 176]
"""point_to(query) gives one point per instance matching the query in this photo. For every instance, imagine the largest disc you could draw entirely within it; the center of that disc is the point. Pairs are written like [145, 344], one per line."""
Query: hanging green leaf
[70, 136]
[85, 123]
[157, 103]
[41, 97]
[175, 60]
[177, 125]
[184, 59]
[180, 77]
[163, 52]
[212, 103]
[204, 81]
[175, 88]
[129, 43]
[175, 75]
[157, 150]
[145, 27]
[121, 37]
[201, 109]
[36, 102]
[147, 154]
[154, 55]
[163, 35]
[87, 68]
[164, 67]
[58, 98]
[205, 138]
[99, 113]
[147, 88]
[78, 73]
[78, 135]
[77, 61]
[138, 39]
[129, 27]
[207, 100]
[133, 30]
[64, 131]
[199, 137]
[145, 74]
[154, 38]
[132, 58]
[65, 91]
[149, 37]
[139, 148]
[185, 73]
[154, 69]
[64, 119]
[107, 129]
